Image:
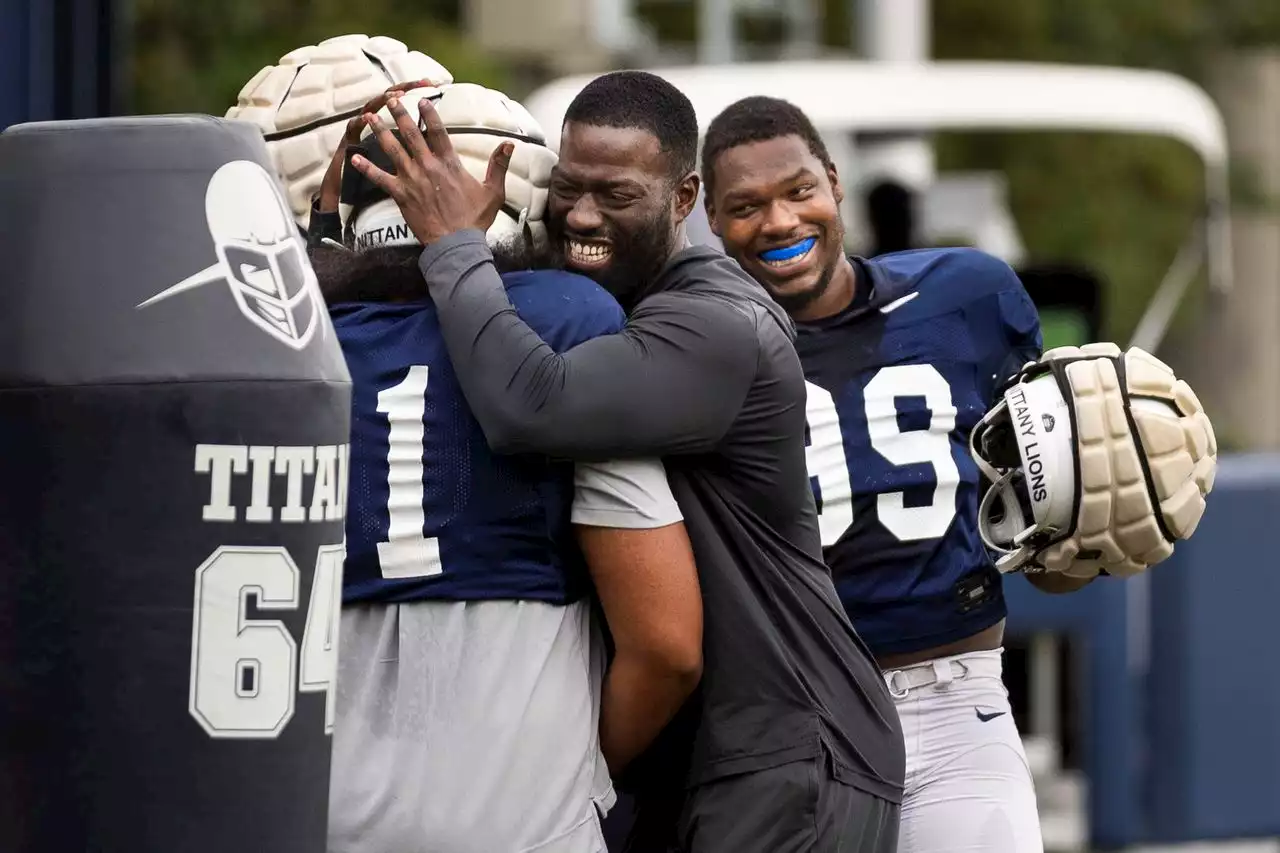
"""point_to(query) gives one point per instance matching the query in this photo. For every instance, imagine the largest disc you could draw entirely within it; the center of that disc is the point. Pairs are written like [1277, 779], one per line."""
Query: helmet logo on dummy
[1048, 422]
[261, 257]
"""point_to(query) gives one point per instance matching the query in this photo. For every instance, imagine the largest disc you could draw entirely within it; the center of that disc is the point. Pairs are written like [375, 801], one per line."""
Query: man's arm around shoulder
[672, 381]
[641, 562]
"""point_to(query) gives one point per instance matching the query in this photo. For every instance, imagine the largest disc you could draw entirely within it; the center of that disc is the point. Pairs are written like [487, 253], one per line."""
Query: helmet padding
[302, 103]
[478, 121]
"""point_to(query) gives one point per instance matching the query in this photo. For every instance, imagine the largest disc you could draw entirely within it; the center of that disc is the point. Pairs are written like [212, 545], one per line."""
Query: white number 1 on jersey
[407, 553]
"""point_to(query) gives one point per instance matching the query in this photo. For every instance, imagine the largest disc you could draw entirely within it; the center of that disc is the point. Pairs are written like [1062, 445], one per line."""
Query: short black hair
[646, 101]
[757, 119]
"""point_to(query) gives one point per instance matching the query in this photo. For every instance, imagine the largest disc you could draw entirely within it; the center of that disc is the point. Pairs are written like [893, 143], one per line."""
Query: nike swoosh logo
[986, 718]
[208, 275]
[898, 303]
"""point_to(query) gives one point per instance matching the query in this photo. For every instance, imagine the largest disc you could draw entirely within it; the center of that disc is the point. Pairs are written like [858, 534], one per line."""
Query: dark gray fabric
[102, 214]
[795, 808]
[673, 382]
[322, 225]
[705, 374]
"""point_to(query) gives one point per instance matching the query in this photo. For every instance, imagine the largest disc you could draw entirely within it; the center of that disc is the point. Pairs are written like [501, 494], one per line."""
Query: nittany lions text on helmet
[302, 103]
[1110, 452]
[478, 120]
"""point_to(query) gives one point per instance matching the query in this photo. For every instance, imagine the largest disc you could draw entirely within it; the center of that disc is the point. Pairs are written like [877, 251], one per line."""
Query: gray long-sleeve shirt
[706, 375]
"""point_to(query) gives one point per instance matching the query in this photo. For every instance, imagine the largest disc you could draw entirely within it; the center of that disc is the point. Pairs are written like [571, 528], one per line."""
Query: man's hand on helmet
[435, 193]
[331, 186]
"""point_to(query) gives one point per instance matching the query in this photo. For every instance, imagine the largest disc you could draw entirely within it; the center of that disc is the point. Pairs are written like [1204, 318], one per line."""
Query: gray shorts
[468, 726]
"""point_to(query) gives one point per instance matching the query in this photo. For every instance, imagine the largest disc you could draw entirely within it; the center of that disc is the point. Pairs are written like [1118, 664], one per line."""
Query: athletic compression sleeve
[322, 224]
[671, 382]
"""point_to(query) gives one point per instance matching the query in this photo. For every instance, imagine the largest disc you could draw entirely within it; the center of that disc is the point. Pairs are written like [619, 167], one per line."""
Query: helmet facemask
[1023, 445]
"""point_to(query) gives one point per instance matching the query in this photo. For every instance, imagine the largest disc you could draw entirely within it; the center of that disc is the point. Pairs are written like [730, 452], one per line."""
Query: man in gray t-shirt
[792, 739]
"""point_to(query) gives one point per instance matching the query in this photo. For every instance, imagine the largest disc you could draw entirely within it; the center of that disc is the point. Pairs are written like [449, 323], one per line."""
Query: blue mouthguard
[789, 252]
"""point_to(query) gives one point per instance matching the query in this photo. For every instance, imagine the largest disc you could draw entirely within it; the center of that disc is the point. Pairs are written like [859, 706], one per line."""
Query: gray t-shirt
[705, 375]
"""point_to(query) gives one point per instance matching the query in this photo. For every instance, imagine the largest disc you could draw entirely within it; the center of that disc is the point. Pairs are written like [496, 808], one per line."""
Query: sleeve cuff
[322, 224]
[453, 255]
[632, 494]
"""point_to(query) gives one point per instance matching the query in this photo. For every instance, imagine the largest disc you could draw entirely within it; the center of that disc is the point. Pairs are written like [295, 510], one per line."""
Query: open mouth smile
[588, 255]
[789, 256]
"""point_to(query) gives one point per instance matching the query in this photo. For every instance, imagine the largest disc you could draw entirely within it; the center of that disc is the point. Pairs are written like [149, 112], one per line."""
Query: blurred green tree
[195, 56]
[1121, 204]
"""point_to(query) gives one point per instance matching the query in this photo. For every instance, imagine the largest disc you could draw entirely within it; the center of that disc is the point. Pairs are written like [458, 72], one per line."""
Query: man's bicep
[637, 550]
[672, 382]
[639, 555]
[1021, 323]
[1020, 339]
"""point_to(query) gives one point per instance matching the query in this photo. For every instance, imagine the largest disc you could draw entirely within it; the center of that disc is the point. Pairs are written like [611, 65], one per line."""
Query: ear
[710, 207]
[686, 195]
[834, 177]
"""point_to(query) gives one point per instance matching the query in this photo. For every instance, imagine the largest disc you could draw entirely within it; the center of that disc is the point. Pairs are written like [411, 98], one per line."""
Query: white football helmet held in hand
[1099, 461]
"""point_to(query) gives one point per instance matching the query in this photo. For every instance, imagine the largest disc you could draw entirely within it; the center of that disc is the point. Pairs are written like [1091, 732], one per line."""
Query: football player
[793, 742]
[469, 690]
[903, 356]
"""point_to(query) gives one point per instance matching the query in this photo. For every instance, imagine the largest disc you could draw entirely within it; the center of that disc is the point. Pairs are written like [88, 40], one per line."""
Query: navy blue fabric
[502, 522]
[966, 315]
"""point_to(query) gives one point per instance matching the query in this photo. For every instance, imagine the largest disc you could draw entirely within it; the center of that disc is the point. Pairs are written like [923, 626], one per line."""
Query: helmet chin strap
[530, 234]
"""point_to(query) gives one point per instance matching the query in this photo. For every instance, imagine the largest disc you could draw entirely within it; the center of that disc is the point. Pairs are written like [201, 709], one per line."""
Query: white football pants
[969, 788]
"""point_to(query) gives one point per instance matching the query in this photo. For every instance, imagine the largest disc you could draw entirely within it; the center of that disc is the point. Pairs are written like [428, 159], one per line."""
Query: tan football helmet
[478, 120]
[303, 102]
[1099, 461]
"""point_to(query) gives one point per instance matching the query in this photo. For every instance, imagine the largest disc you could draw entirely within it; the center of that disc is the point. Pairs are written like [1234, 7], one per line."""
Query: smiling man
[618, 199]
[791, 742]
[903, 355]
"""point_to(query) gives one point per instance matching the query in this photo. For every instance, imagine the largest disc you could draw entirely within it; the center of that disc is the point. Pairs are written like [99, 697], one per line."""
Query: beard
[638, 256]
[391, 274]
[795, 302]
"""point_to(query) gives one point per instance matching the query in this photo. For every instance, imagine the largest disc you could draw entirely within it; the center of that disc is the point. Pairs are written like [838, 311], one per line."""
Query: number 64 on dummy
[246, 667]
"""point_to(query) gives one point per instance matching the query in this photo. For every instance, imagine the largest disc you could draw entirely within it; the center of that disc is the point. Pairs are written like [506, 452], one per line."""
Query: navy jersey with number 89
[896, 384]
[432, 513]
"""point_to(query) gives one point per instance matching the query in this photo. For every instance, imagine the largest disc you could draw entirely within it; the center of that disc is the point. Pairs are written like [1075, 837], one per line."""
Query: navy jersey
[896, 384]
[432, 513]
